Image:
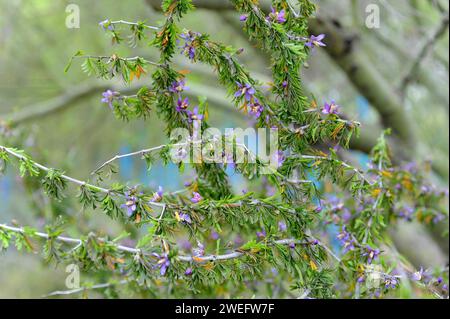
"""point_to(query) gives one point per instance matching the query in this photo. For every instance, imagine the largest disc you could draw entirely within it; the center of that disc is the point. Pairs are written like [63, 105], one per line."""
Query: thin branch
[135, 24]
[232, 255]
[67, 178]
[114, 58]
[83, 289]
[427, 45]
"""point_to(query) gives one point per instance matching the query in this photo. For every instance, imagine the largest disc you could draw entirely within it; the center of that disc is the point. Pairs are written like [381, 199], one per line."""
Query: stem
[134, 23]
[82, 289]
[132, 250]
[68, 178]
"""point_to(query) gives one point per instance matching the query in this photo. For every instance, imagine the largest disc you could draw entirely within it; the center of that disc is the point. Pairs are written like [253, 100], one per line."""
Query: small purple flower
[131, 202]
[406, 213]
[200, 250]
[279, 17]
[238, 240]
[261, 234]
[281, 158]
[421, 275]
[292, 245]
[243, 17]
[346, 215]
[371, 254]
[182, 104]
[188, 271]
[188, 49]
[183, 218]
[185, 244]
[245, 90]
[195, 115]
[331, 108]
[178, 86]
[390, 282]
[157, 196]
[313, 41]
[109, 96]
[196, 197]
[346, 240]
[163, 262]
[106, 25]
[214, 235]
[256, 108]
[282, 227]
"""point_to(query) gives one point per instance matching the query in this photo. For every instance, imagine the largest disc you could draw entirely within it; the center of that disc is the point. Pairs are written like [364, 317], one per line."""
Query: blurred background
[394, 74]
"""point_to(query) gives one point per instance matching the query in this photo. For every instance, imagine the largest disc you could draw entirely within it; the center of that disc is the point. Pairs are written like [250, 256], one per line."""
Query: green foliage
[285, 223]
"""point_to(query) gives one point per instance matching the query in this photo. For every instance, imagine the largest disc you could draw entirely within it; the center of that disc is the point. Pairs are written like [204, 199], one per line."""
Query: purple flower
[109, 96]
[183, 218]
[163, 262]
[256, 108]
[194, 116]
[313, 41]
[261, 234]
[188, 271]
[157, 196]
[131, 202]
[282, 226]
[346, 240]
[406, 213]
[245, 90]
[292, 245]
[200, 250]
[371, 254]
[188, 49]
[238, 240]
[421, 275]
[281, 158]
[390, 282]
[279, 17]
[214, 235]
[106, 24]
[243, 17]
[178, 86]
[182, 104]
[331, 108]
[185, 244]
[196, 197]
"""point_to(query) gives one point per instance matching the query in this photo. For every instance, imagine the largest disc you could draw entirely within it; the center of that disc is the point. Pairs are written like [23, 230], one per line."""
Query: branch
[423, 51]
[184, 258]
[65, 177]
[82, 289]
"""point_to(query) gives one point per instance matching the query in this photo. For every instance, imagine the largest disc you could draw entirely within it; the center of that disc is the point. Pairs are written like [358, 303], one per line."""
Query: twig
[82, 289]
[68, 178]
[135, 24]
[423, 51]
[342, 163]
[232, 255]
